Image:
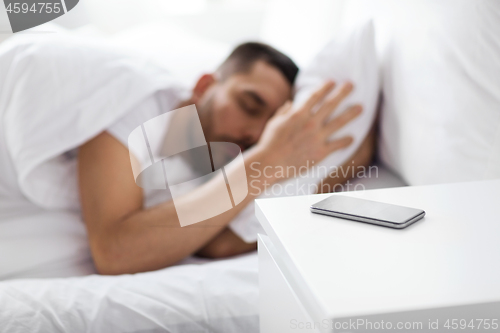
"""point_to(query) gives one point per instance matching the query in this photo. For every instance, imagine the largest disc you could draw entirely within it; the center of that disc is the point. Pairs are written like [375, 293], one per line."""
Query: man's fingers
[333, 102]
[339, 144]
[343, 119]
[317, 97]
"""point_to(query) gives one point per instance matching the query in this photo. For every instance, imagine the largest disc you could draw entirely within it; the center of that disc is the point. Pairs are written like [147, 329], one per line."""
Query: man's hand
[293, 137]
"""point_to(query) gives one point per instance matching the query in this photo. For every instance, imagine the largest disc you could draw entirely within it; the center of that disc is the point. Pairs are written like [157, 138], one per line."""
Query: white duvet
[57, 92]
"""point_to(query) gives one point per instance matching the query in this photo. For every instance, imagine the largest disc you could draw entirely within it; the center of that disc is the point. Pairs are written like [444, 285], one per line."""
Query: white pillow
[441, 70]
[350, 57]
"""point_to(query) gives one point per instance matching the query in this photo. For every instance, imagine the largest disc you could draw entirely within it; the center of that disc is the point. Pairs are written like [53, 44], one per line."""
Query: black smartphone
[368, 211]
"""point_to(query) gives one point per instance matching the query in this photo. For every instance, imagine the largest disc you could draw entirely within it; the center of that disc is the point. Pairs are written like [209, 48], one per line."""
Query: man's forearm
[153, 238]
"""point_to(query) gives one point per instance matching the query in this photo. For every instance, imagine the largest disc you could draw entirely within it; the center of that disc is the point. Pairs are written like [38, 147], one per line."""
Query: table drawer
[280, 308]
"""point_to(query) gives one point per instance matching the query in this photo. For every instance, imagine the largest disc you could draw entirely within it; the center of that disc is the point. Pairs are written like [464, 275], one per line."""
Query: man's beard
[219, 155]
[206, 114]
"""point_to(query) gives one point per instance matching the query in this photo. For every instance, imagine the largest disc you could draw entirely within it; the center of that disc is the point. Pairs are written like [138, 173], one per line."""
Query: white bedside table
[321, 273]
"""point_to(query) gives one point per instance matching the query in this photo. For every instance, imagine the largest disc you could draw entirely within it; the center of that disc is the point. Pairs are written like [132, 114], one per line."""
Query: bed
[49, 283]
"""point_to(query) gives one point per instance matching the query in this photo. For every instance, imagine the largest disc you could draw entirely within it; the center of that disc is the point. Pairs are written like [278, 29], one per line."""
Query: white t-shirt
[245, 225]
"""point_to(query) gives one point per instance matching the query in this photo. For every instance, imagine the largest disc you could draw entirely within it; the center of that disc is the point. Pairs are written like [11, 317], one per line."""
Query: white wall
[224, 20]
[301, 28]
[298, 27]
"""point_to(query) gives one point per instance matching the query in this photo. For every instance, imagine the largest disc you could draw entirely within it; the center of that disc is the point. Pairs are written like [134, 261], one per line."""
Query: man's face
[237, 109]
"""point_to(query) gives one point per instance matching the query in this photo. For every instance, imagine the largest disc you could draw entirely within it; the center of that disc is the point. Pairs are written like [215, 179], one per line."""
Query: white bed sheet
[219, 296]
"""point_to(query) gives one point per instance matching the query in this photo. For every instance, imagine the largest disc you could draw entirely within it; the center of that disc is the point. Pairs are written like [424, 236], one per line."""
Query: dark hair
[245, 55]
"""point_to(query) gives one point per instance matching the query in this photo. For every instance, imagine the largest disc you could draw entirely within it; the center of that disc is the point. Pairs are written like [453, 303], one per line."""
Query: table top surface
[451, 257]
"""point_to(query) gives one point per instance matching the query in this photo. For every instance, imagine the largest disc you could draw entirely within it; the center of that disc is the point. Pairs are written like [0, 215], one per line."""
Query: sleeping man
[83, 156]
